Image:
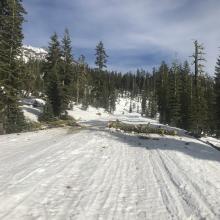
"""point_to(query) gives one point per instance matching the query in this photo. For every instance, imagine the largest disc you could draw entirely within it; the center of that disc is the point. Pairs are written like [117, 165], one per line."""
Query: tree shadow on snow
[185, 144]
[191, 147]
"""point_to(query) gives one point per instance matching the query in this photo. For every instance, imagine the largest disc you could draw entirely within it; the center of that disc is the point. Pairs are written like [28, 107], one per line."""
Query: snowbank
[89, 114]
[31, 113]
[32, 108]
[215, 142]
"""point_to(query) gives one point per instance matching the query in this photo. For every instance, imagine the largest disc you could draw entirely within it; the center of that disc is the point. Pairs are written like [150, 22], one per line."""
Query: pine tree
[210, 100]
[217, 96]
[153, 96]
[174, 95]
[197, 59]
[101, 56]
[152, 105]
[11, 20]
[31, 77]
[99, 85]
[82, 86]
[186, 96]
[67, 71]
[163, 92]
[112, 92]
[199, 105]
[144, 94]
[53, 85]
[143, 103]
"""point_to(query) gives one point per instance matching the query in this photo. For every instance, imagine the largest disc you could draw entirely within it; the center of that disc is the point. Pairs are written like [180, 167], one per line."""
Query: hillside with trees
[81, 141]
[182, 94]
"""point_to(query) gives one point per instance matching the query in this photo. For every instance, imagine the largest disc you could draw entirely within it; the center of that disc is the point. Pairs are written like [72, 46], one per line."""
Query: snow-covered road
[99, 174]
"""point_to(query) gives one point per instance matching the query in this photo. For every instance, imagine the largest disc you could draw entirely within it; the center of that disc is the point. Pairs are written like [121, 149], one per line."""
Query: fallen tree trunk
[140, 128]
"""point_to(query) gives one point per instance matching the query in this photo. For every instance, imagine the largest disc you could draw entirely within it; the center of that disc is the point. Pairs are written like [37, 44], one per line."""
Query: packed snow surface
[211, 140]
[99, 173]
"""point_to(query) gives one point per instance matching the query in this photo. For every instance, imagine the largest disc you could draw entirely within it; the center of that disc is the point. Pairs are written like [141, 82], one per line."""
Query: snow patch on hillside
[29, 52]
[124, 104]
[91, 113]
[32, 108]
[31, 113]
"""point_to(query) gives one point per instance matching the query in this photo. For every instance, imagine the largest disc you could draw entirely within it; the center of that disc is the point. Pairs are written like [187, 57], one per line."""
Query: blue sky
[136, 33]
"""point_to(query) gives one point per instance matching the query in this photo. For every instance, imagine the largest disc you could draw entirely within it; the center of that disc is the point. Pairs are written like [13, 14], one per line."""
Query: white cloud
[144, 25]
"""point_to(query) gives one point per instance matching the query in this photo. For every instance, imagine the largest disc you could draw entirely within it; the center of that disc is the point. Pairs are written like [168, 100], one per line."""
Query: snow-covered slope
[29, 52]
[90, 113]
[123, 105]
[36, 53]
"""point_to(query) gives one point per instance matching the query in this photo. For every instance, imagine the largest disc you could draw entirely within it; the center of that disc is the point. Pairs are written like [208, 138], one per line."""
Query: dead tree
[197, 60]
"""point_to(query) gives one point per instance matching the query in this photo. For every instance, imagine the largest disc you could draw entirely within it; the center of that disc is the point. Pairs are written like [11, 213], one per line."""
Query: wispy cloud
[136, 34]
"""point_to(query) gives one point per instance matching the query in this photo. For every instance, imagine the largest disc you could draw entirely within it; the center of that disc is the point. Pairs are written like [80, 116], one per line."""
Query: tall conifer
[217, 96]
[11, 20]
[67, 70]
[53, 85]
[101, 56]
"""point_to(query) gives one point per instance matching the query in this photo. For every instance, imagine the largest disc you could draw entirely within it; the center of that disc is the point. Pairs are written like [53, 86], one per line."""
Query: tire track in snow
[85, 183]
[74, 186]
[191, 191]
[173, 205]
[102, 177]
[189, 202]
[51, 182]
[102, 183]
[78, 180]
[36, 161]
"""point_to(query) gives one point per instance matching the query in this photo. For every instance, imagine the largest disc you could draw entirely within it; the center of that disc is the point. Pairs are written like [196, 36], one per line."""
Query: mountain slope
[29, 52]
